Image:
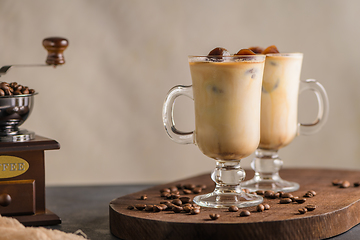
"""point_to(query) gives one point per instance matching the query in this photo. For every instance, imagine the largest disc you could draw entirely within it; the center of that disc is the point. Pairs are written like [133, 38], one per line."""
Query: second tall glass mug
[279, 121]
[227, 92]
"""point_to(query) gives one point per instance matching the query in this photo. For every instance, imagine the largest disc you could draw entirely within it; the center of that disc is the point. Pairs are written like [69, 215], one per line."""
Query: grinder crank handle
[55, 47]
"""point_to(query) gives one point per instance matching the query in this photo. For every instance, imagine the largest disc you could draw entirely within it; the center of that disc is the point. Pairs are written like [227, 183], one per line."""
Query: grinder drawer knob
[5, 199]
[55, 47]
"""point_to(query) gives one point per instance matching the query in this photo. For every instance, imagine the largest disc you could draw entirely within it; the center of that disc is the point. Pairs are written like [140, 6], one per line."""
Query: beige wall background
[104, 105]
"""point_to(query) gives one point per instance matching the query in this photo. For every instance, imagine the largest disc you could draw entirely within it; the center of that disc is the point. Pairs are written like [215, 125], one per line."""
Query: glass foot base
[275, 185]
[225, 200]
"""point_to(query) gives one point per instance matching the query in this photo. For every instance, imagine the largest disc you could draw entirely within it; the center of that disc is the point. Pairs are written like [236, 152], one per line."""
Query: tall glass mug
[226, 91]
[279, 121]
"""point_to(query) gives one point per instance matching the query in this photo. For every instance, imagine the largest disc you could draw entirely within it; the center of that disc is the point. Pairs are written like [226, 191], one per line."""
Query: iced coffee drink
[227, 107]
[226, 90]
[279, 100]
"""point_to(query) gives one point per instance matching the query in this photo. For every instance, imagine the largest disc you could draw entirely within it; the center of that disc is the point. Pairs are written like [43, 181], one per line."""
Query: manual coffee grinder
[22, 168]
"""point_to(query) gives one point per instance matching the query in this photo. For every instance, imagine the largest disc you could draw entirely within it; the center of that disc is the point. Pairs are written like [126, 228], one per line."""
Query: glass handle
[168, 115]
[323, 106]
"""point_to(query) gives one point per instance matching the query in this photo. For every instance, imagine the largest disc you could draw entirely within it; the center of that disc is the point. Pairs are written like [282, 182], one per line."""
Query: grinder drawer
[17, 197]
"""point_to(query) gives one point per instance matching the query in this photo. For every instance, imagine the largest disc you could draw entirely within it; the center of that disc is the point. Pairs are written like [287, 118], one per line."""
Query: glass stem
[266, 164]
[228, 175]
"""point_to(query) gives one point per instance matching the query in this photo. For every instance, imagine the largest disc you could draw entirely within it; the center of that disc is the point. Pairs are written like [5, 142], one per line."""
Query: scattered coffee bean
[280, 193]
[197, 190]
[187, 209]
[336, 182]
[185, 199]
[143, 197]
[260, 192]
[266, 206]
[345, 184]
[300, 200]
[233, 208]
[260, 208]
[131, 207]
[157, 208]
[189, 186]
[194, 211]
[356, 184]
[140, 206]
[245, 213]
[180, 186]
[177, 202]
[269, 194]
[312, 192]
[293, 199]
[302, 210]
[149, 208]
[187, 191]
[310, 207]
[287, 195]
[308, 195]
[285, 200]
[202, 186]
[173, 189]
[164, 194]
[277, 195]
[163, 206]
[174, 196]
[177, 209]
[165, 190]
[214, 216]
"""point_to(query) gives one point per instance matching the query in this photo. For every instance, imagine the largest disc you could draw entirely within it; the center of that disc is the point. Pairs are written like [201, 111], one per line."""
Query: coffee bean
[177, 209]
[164, 202]
[287, 195]
[308, 195]
[143, 197]
[313, 192]
[14, 89]
[214, 216]
[202, 186]
[302, 210]
[180, 186]
[164, 194]
[285, 200]
[163, 206]
[187, 191]
[345, 184]
[177, 202]
[130, 207]
[336, 182]
[187, 209]
[189, 186]
[260, 192]
[266, 206]
[245, 213]
[277, 195]
[157, 208]
[260, 208]
[173, 189]
[197, 190]
[280, 193]
[300, 200]
[194, 211]
[2, 93]
[219, 51]
[269, 194]
[356, 184]
[140, 206]
[233, 208]
[165, 190]
[149, 208]
[185, 199]
[293, 199]
[310, 207]
[175, 196]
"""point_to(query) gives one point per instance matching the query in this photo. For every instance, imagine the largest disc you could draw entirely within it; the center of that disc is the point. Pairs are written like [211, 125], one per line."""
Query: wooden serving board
[338, 210]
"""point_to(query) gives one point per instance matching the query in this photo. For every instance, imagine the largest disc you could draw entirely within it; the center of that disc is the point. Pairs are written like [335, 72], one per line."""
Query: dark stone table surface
[86, 208]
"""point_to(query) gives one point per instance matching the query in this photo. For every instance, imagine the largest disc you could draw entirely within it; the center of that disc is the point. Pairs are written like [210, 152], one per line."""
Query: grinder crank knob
[5, 200]
[55, 47]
